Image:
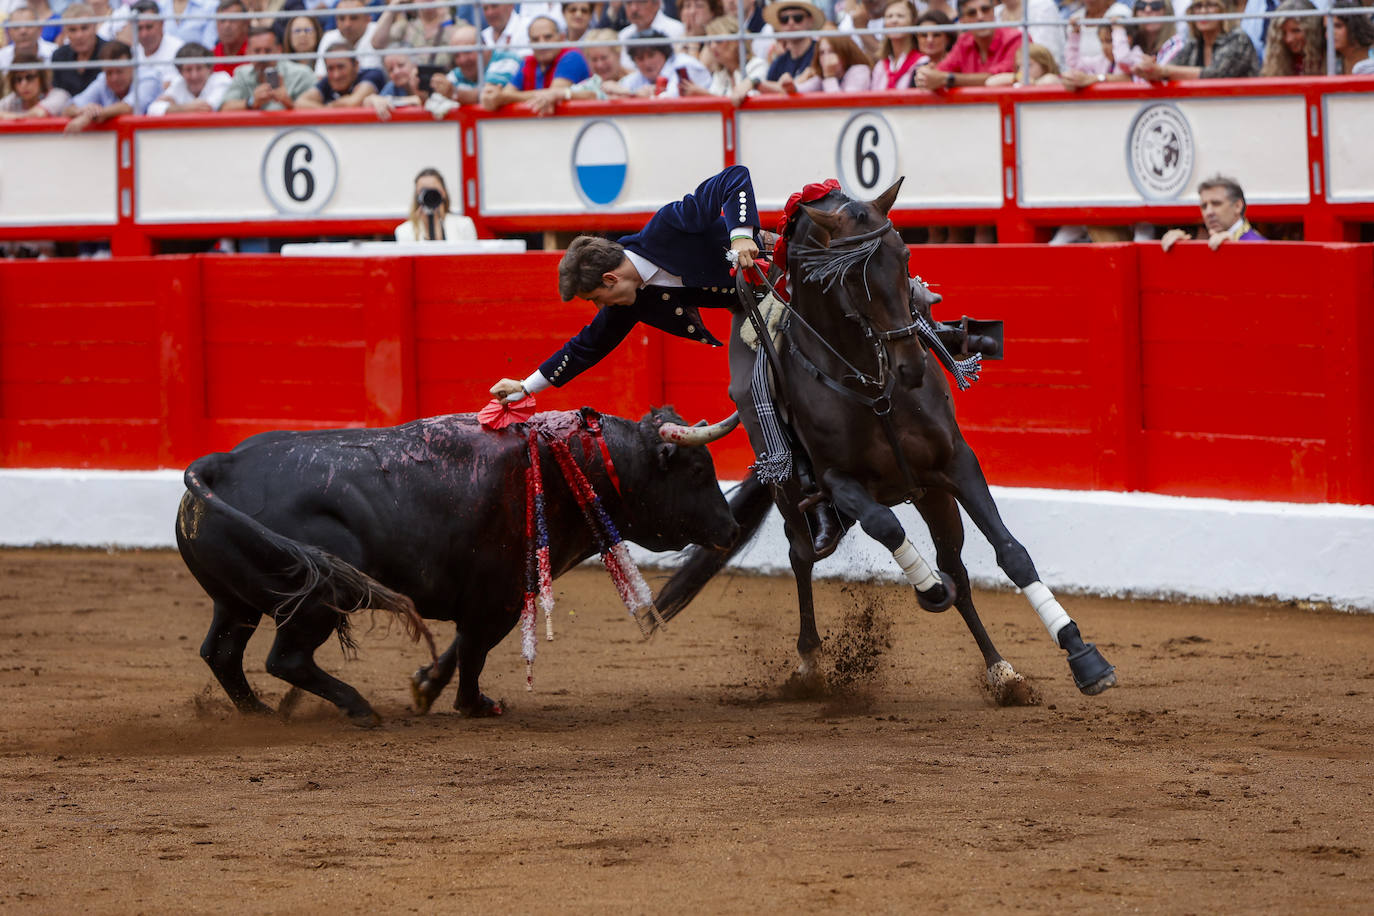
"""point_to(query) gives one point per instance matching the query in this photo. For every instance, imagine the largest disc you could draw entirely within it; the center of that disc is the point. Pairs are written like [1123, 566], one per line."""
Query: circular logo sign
[866, 157]
[299, 172]
[600, 161]
[1159, 152]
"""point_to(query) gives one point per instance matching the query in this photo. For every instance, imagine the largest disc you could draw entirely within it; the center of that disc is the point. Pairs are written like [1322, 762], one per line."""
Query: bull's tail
[749, 504]
[290, 574]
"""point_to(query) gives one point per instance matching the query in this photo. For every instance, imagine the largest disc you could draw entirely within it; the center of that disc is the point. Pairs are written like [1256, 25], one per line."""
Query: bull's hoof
[422, 690]
[365, 719]
[484, 708]
[938, 598]
[1092, 674]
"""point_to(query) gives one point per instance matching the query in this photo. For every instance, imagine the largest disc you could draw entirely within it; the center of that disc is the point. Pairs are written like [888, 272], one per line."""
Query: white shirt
[554, 10]
[516, 32]
[696, 74]
[1088, 45]
[662, 23]
[650, 273]
[457, 228]
[160, 60]
[45, 49]
[178, 93]
[1050, 36]
[191, 28]
[369, 58]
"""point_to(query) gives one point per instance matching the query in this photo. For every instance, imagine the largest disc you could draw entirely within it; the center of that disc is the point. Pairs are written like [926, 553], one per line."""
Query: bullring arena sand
[1230, 771]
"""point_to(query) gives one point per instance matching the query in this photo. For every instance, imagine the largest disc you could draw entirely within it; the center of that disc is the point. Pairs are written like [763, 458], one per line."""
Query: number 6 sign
[299, 172]
[866, 156]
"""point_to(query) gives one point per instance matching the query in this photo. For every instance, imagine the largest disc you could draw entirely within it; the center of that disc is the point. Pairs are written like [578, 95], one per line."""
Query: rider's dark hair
[587, 258]
[1229, 185]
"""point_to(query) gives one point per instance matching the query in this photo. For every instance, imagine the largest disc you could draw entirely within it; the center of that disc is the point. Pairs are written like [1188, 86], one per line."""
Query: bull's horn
[697, 435]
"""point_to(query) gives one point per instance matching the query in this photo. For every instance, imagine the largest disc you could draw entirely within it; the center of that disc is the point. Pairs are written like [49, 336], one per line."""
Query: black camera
[430, 199]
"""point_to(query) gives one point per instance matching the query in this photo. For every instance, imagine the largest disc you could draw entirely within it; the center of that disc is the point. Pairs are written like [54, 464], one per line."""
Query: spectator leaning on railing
[1297, 46]
[26, 37]
[722, 59]
[607, 70]
[976, 55]
[547, 73]
[116, 91]
[231, 35]
[430, 27]
[1051, 36]
[402, 89]
[266, 85]
[661, 72]
[29, 92]
[198, 86]
[840, 65]
[933, 46]
[646, 15]
[83, 46]
[155, 49]
[1215, 50]
[1353, 39]
[345, 85]
[463, 84]
[787, 16]
[354, 28]
[898, 57]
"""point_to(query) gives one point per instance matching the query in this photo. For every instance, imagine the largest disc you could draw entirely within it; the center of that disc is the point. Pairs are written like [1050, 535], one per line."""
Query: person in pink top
[897, 56]
[840, 66]
[977, 54]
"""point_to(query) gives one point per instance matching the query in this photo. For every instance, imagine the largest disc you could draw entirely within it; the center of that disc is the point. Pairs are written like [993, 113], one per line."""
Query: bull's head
[701, 434]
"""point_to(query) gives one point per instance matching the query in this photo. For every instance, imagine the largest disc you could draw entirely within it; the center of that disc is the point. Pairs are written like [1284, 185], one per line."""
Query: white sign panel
[586, 165]
[1135, 152]
[323, 171]
[58, 179]
[1349, 146]
[951, 155]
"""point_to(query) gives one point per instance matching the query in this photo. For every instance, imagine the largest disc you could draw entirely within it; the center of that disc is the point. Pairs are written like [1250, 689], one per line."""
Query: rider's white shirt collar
[651, 274]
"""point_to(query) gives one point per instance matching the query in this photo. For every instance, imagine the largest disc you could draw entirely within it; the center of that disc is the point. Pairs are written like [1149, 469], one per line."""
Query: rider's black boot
[824, 521]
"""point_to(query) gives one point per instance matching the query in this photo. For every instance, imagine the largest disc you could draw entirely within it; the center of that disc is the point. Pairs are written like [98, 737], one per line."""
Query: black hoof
[938, 598]
[1092, 674]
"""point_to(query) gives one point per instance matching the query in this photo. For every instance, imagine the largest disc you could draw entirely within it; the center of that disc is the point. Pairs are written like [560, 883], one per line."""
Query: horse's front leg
[1091, 672]
[935, 591]
[808, 640]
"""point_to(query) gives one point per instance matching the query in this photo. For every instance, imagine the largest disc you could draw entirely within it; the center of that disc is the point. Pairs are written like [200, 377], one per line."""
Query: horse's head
[846, 252]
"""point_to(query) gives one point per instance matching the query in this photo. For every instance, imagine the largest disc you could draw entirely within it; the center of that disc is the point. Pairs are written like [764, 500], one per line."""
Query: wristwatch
[949, 81]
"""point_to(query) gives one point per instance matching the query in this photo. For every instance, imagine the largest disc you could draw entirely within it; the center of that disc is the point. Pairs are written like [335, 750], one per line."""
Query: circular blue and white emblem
[1160, 151]
[600, 161]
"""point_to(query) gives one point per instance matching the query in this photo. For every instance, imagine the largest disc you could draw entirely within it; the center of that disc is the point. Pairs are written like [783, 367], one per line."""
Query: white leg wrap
[1050, 611]
[915, 567]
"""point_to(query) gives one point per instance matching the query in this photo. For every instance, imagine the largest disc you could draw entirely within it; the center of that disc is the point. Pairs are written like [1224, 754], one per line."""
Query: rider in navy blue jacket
[661, 276]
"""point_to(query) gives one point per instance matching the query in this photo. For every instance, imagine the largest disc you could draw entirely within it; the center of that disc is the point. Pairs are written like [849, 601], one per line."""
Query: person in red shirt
[233, 34]
[977, 55]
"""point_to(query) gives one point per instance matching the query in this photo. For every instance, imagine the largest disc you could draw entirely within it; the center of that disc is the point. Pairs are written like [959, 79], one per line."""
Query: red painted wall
[1245, 373]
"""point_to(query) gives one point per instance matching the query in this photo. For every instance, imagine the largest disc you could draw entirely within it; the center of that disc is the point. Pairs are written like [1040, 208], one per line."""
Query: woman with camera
[429, 219]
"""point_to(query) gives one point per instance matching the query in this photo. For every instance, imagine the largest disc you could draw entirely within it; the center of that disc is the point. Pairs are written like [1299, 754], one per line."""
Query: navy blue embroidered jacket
[688, 238]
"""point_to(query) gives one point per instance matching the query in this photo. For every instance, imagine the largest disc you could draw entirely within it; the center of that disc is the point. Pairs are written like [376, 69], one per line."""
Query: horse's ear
[822, 220]
[885, 200]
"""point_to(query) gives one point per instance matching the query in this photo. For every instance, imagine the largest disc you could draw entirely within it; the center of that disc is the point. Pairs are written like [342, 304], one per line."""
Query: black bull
[425, 520]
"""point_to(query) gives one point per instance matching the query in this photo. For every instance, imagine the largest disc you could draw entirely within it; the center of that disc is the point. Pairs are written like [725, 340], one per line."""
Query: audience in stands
[577, 19]
[25, 37]
[155, 49]
[354, 28]
[190, 20]
[1044, 71]
[898, 56]
[695, 15]
[864, 20]
[231, 35]
[933, 47]
[1051, 37]
[722, 59]
[403, 88]
[463, 84]
[50, 23]
[787, 16]
[840, 65]
[1083, 69]
[1088, 42]
[547, 72]
[345, 84]
[1215, 50]
[116, 91]
[83, 44]
[301, 39]
[505, 27]
[430, 27]
[429, 206]
[264, 85]
[648, 15]
[198, 86]
[659, 71]
[1297, 46]
[1352, 37]
[29, 92]
[1223, 210]
[607, 69]
[976, 54]
[1146, 33]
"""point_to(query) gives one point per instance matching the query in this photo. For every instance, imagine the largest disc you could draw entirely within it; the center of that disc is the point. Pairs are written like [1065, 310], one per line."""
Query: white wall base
[1136, 544]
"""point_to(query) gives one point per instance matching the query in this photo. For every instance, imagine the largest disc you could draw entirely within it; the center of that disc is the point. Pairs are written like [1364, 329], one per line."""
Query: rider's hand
[508, 391]
[747, 251]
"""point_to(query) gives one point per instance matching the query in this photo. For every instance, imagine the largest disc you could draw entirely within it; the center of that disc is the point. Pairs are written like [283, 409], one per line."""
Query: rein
[615, 554]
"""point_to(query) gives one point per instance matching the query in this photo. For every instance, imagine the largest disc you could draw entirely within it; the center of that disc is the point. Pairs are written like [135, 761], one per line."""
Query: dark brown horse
[872, 408]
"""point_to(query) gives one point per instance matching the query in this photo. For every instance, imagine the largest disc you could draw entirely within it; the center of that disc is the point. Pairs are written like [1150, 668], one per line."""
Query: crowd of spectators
[388, 55]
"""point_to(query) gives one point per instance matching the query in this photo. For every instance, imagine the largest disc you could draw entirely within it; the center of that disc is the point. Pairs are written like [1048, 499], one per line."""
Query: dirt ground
[1231, 769]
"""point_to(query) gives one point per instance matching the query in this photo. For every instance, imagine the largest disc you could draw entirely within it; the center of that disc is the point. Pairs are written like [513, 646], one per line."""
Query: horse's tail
[278, 574]
[749, 504]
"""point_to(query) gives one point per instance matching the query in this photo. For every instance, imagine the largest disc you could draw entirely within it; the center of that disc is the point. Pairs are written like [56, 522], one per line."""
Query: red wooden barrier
[1243, 373]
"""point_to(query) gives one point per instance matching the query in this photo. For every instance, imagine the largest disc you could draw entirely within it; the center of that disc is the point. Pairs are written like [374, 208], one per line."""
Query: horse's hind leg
[222, 650]
[941, 514]
[1091, 672]
[292, 658]
[935, 591]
